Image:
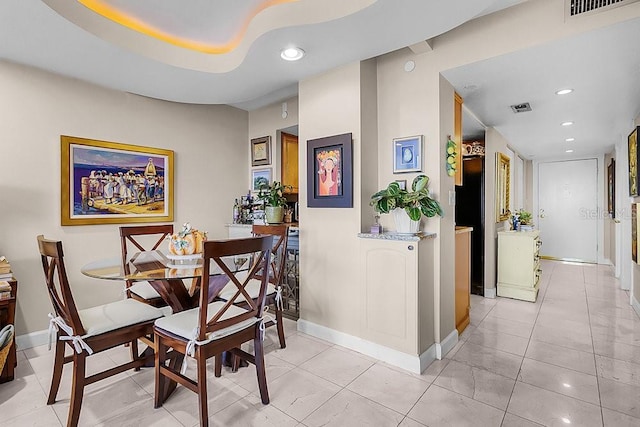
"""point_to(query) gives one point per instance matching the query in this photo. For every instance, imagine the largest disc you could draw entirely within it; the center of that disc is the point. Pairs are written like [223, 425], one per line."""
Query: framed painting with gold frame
[261, 151]
[633, 162]
[503, 179]
[112, 183]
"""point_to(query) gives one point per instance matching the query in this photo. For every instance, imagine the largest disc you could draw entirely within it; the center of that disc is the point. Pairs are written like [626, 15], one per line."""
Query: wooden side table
[8, 316]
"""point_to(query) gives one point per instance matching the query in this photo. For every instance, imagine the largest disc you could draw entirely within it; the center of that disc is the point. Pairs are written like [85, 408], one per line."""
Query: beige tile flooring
[572, 358]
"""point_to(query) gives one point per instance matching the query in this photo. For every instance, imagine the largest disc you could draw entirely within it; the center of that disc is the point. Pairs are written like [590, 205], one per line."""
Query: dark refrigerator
[470, 212]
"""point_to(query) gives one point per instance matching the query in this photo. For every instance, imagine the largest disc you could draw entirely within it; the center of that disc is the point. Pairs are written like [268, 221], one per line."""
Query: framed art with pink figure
[330, 172]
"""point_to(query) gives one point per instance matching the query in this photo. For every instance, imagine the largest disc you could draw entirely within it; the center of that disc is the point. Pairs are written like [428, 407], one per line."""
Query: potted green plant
[408, 207]
[274, 201]
[522, 220]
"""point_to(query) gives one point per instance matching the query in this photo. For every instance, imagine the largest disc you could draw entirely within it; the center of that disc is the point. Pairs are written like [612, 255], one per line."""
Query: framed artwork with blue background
[407, 154]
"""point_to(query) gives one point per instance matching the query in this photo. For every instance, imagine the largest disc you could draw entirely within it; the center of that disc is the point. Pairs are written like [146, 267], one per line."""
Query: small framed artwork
[260, 178]
[402, 183]
[330, 172]
[611, 188]
[407, 154]
[106, 182]
[261, 151]
[633, 162]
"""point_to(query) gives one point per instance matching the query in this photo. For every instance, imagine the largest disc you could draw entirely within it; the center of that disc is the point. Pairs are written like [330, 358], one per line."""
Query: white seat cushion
[252, 288]
[144, 290]
[184, 323]
[116, 315]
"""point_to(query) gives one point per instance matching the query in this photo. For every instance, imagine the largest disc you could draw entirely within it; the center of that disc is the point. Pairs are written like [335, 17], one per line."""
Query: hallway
[572, 358]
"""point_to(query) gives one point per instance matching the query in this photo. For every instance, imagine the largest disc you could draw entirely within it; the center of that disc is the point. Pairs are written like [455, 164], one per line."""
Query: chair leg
[134, 352]
[260, 368]
[77, 388]
[218, 365]
[160, 358]
[280, 326]
[202, 386]
[58, 364]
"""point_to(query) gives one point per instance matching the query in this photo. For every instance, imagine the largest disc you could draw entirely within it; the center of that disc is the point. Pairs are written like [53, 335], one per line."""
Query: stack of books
[5, 269]
[5, 290]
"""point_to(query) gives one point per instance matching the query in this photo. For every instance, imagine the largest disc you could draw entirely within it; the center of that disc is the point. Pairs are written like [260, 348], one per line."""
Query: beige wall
[330, 104]
[210, 144]
[268, 121]
[494, 143]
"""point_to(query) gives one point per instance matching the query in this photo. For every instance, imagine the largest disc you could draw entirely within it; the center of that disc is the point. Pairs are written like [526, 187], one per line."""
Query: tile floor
[572, 358]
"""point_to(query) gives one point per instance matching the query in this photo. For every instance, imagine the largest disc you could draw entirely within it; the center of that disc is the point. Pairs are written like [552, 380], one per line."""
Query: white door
[568, 217]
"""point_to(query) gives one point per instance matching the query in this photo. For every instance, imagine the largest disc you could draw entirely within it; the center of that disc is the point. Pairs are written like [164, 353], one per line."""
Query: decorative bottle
[236, 212]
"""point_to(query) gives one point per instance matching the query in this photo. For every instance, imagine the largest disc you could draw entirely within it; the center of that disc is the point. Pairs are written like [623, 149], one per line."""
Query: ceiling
[80, 39]
[603, 68]
[70, 38]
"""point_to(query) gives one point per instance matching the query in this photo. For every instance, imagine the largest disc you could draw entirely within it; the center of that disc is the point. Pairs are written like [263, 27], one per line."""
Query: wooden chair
[213, 328]
[274, 290]
[130, 236]
[88, 331]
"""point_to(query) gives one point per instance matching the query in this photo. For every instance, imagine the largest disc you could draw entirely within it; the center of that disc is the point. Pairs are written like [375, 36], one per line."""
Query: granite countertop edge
[396, 236]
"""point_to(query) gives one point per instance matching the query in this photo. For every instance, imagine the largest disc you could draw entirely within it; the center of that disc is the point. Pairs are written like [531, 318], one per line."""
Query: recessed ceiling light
[569, 151]
[292, 54]
[567, 123]
[564, 91]
[566, 420]
[570, 139]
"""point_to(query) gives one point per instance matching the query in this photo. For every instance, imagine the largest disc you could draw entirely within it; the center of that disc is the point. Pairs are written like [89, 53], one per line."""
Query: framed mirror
[503, 178]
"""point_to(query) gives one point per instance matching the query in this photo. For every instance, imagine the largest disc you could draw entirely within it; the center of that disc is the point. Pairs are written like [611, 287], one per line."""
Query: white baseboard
[32, 339]
[447, 344]
[489, 292]
[416, 364]
[635, 304]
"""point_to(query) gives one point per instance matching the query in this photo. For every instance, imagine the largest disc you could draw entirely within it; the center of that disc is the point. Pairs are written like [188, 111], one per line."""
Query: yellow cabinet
[290, 161]
[463, 277]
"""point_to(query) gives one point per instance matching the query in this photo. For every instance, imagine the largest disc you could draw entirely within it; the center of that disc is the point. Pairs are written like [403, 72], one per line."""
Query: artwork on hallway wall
[633, 162]
[503, 180]
[261, 151]
[330, 172]
[111, 183]
[259, 178]
[611, 188]
[407, 154]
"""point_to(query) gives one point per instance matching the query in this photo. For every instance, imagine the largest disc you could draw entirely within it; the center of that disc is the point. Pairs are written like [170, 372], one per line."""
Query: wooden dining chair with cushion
[274, 289]
[133, 236]
[212, 328]
[88, 331]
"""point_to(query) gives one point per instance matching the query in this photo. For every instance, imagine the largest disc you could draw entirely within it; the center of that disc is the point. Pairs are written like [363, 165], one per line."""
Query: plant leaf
[419, 183]
[414, 213]
[393, 189]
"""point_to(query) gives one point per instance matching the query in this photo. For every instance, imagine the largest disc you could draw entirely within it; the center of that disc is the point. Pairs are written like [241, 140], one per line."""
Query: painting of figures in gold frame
[112, 183]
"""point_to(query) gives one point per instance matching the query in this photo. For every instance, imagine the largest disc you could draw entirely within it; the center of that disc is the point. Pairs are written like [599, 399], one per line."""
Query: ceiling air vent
[521, 108]
[579, 7]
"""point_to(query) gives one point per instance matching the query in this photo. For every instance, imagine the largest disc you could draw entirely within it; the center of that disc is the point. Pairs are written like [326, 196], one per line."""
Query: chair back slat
[131, 236]
[55, 274]
[257, 249]
[278, 251]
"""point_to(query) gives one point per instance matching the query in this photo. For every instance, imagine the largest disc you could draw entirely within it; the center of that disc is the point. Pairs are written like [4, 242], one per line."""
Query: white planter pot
[404, 224]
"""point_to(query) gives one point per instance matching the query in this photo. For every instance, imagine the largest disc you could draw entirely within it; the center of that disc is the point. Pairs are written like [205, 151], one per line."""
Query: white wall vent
[579, 7]
[521, 108]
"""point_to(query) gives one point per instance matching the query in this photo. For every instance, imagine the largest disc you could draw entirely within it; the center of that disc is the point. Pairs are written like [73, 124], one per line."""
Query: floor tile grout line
[595, 361]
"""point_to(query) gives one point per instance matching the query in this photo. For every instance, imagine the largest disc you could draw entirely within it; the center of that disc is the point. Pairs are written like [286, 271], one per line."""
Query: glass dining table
[177, 279]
